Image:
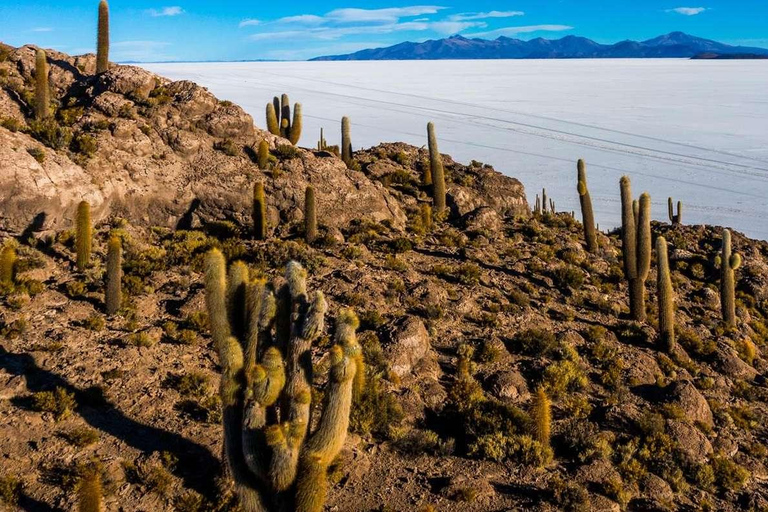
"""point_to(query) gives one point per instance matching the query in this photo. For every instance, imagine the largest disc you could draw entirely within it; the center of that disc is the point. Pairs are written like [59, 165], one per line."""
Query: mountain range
[673, 45]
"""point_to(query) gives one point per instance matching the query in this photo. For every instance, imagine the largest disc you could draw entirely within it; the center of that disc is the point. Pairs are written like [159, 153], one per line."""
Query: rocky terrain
[462, 321]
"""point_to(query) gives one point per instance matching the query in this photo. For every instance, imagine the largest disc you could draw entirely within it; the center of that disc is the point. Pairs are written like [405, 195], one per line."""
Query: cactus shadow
[198, 467]
[186, 220]
[30, 504]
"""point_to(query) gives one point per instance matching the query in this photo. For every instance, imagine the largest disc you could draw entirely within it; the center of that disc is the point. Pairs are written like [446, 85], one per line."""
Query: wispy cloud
[389, 15]
[469, 16]
[251, 22]
[42, 29]
[513, 31]
[688, 11]
[166, 11]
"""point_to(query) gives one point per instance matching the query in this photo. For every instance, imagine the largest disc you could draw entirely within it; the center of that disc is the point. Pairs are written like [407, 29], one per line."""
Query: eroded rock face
[407, 345]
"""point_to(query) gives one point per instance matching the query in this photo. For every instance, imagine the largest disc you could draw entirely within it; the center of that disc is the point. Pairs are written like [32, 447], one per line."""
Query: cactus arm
[273, 125]
[295, 128]
[644, 237]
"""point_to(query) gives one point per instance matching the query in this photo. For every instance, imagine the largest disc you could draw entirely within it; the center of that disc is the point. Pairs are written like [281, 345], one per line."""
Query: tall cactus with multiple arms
[83, 235]
[310, 215]
[346, 141]
[273, 122]
[675, 219]
[728, 263]
[276, 458]
[114, 293]
[587, 214]
[259, 212]
[666, 296]
[102, 42]
[437, 171]
[636, 246]
[42, 92]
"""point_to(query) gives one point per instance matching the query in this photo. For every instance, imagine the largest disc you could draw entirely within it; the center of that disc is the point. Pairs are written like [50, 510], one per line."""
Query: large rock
[407, 345]
[685, 395]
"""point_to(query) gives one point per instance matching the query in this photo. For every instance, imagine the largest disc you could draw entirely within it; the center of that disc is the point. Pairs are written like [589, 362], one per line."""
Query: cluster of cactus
[114, 294]
[279, 121]
[346, 141]
[666, 296]
[437, 173]
[675, 219]
[636, 246]
[276, 454]
[42, 91]
[322, 145]
[587, 214]
[102, 40]
[83, 235]
[259, 212]
[728, 263]
[541, 204]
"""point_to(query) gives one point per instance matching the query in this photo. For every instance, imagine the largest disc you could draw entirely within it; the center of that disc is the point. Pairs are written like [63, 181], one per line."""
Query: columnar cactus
[587, 214]
[89, 492]
[636, 246]
[542, 416]
[537, 207]
[322, 145]
[83, 235]
[263, 155]
[259, 212]
[285, 116]
[346, 141]
[294, 132]
[675, 219]
[728, 263]
[310, 215]
[666, 296]
[273, 122]
[436, 167]
[114, 293]
[7, 265]
[102, 42]
[426, 216]
[42, 92]
[276, 460]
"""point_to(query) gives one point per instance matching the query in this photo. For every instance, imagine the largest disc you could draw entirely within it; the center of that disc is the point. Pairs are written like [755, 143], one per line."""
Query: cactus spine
[263, 155]
[114, 293]
[7, 265]
[310, 215]
[436, 169]
[42, 92]
[102, 43]
[278, 464]
[587, 214]
[666, 296]
[83, 235]
[294, 132]
[259, 212]
[542, 416]
[636, 246]
[273, 125]
[675, 219]
[89, 492]
[728, 263]
[346, 141]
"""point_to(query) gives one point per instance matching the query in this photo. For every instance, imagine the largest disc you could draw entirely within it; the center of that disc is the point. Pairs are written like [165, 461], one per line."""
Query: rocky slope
[461, 322]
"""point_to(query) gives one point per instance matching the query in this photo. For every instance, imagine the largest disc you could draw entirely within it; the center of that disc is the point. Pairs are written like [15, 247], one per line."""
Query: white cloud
[249, 23]
[469, 16]
[389, 15]
[513, 31]
[166, 11]
[688, 11]
[454, 27]
[42, 29]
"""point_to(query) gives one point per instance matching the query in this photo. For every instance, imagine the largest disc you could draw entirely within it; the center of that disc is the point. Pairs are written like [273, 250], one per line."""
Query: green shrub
[569, 496]
[728, 474]
[37, 153]
[537, 342]
[84, 145]
[287, 151]
[227, 146]
[50, 133]
[60, 402]
[10, 490]
[568, 277]
[563, 376]
[81, 437]
[375, 411]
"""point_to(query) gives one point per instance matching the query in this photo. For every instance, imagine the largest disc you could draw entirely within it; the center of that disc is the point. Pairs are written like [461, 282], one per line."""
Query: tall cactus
[273, 122]
[7, 265]
[259, 212]
[544, 200]
[728, 263]
[83, 235]
[89, 491]
[587, 214]
[666, 296]
[322, 145]
[263, 155]
[675, 219]
[285, 116]
[277, 462]
[636, 246]
[42, 92]
[437, 171]
[294, 132]
[310, 215]
[114, 293]
[346, 141]
[102, 41]
[542, 416]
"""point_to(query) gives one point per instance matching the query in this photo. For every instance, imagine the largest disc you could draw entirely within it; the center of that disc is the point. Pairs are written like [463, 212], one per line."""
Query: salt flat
[693, 130]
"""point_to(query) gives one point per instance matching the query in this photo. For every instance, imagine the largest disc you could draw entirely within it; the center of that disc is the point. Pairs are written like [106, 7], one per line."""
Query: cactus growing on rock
[7, 265]
[102, 41]
[346, 141]
[259, 212]
[273, 123]
[437, 171]
[42, 92]
[114, 294]
[587, 214]
[83, 235]
[294, 132]
[89, 491]
[285, 116]
[666, 296]
[542, 416]
[276, 459]
[310, 215]
[322, 145]
[728, 263]
[263, 155]
[636, 246]
[675, 219]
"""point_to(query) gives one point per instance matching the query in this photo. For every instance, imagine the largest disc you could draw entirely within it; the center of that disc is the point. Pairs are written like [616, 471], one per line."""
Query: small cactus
[89, 491]
[666, 296]
[636, 246]
[273, 124]
[114, 294]
[675, 219]
[436, 168]
[346, 141]
[259, 212]
[263, 155]
[42, 92]
[426, 216]
[310, 215]
[83, 235]
[102, 42]
[728, 263]
[542, 416]
[587, 214]
[8, 265]
[322, 145]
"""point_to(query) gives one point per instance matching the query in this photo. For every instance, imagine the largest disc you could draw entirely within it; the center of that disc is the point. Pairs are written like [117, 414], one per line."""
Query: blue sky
[197, 30]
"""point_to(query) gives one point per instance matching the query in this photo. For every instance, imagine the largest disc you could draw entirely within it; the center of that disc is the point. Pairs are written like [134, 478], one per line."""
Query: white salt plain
[693, 130]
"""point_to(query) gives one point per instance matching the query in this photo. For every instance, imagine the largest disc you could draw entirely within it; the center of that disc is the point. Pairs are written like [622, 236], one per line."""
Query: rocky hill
[464, 321]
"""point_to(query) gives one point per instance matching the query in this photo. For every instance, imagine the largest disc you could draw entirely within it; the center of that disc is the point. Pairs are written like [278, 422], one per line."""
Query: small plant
[8, 263]
[10, 490]
[81, 437]
[60, 403]
[141, 339]
[542, 416]
[675, 219]
[37, 153]
[227, 146]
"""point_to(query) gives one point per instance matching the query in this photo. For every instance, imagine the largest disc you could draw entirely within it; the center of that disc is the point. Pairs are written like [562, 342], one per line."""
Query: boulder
[406, 345]
[685, 395]
[508, 385]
